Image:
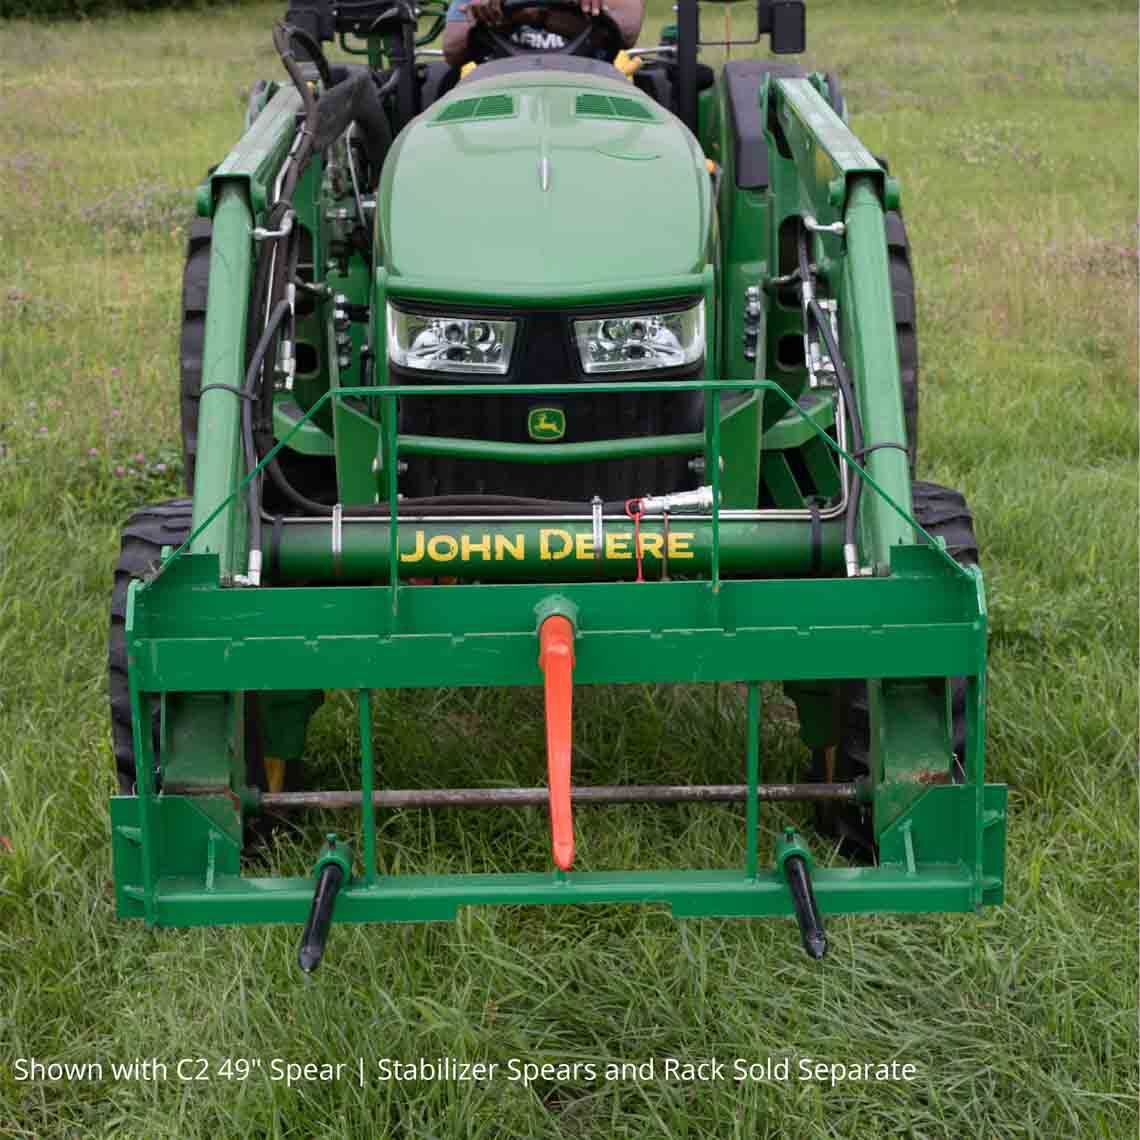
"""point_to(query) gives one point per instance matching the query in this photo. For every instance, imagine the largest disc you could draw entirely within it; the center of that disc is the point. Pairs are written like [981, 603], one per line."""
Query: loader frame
[737, 607]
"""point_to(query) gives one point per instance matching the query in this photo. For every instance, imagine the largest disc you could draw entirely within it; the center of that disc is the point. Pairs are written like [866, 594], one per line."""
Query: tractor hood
[543, 182]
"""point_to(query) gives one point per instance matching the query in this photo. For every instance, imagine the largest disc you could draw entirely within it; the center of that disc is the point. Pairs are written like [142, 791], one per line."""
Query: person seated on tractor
[536, 28]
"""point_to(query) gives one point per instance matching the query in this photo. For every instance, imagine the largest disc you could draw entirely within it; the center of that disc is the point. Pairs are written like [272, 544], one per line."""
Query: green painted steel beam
[776, 474]
[821, 466]
[689, 894]
[525, 550]
[790, 432]
[870, 347]
[309, 438]
[740, 451]
[220, 465]
[828, 155]
[357, 439]
[258, 155]
[646, 655]
[591, 451]
[349, 637]
[793, 430]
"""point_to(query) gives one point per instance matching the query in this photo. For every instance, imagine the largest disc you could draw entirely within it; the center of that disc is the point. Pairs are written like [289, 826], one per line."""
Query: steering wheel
[498, 45]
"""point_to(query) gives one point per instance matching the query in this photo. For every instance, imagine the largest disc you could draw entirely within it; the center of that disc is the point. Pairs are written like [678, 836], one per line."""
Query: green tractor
[548, 373]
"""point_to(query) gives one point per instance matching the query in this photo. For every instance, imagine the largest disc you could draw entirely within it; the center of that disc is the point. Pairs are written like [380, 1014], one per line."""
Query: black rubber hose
[284, 268]
[314, 52]
[266, 287]
[506, 504]
[843, 378]
[284, 271]
[253, 370]
[282, 41]
[356, 100]
[302, 502]
[252, 376]
[389, 84]
[443, 505]
[848, 389]
[261, 302]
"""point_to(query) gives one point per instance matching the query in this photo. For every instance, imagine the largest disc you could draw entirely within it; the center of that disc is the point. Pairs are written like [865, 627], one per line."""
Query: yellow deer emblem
[546, 424]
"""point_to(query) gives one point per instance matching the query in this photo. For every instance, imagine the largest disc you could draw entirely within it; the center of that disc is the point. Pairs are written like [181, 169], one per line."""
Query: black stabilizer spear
[794, 860]
[333, 868]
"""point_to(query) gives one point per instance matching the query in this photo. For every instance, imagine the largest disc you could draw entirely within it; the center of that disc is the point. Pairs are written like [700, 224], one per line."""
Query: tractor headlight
[634, 342]
[449, 344]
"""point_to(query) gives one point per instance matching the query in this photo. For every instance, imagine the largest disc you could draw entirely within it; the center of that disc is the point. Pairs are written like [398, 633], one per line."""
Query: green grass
[1013, 130]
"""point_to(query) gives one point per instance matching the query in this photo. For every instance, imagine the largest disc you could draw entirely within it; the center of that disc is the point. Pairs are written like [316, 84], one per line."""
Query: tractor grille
[546, 354]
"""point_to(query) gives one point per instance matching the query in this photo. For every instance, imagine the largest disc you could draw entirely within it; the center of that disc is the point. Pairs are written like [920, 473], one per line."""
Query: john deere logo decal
[546, 424]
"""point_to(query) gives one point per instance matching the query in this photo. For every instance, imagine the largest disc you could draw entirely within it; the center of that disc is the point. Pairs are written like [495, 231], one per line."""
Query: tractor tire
[146, 533]
[906, 332]
[835, 94]
[195, 284]
[256, 101]
[901, 270]
[943, 513]
[902, 290]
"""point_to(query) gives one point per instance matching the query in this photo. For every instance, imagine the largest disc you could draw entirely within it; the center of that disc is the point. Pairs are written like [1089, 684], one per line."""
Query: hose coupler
[699, 500]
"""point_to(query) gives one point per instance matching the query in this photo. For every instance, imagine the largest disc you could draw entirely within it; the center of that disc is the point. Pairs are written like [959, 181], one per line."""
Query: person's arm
[628, 15]
[455, 36]
[462, 15]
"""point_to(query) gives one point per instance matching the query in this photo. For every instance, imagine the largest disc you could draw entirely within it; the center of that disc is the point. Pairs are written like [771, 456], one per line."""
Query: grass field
[1014, 133]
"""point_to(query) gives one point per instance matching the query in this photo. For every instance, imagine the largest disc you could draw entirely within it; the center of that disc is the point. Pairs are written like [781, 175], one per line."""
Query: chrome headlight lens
[435, 343]
[636, 342]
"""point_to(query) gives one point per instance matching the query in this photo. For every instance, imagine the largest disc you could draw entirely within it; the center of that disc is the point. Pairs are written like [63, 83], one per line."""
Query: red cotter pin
[633, 510]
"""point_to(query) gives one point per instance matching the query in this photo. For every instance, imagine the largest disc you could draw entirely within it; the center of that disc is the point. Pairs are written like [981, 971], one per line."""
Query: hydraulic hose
[443, 505]
[248, 393]
[284, 268]
[314, 51]
[282, 40]
[842, 376]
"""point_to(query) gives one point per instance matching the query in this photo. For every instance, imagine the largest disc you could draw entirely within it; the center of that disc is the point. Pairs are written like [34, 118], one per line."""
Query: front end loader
[579, 367]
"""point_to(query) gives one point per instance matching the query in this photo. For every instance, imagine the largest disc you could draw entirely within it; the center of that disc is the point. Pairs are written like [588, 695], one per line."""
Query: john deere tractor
[578, 366]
